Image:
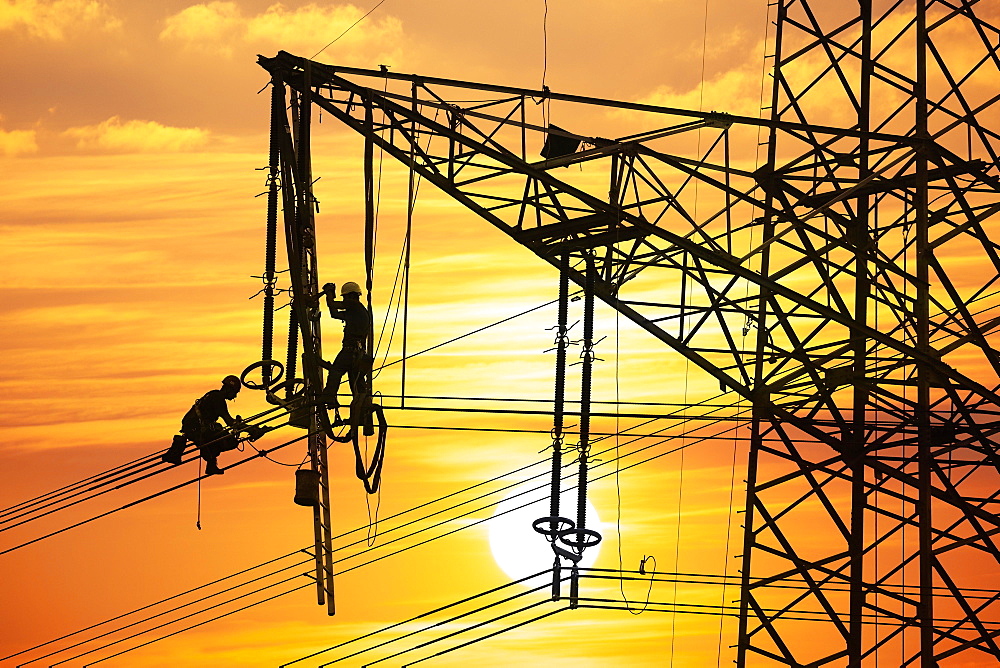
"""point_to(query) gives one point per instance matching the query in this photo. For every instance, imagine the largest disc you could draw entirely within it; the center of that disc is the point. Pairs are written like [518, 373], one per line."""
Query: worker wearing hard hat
[353, 358]
[200, 425]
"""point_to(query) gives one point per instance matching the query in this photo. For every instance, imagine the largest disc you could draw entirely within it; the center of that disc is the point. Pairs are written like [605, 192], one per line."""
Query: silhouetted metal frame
[298, 204]
[878, 316]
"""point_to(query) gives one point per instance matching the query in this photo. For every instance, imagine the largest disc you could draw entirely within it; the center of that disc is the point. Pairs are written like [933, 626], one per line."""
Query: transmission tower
[844, 284]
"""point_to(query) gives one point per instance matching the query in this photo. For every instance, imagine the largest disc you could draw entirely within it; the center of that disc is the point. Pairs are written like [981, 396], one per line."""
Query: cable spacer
[551, 527]
[580, 539]
[271, 366]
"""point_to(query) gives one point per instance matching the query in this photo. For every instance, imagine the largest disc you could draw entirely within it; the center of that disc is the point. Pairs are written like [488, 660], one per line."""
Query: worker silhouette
[200, 425]
[353, 358]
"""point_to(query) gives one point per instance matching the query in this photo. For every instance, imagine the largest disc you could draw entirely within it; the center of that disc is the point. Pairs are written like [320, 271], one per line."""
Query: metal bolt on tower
[846, 285]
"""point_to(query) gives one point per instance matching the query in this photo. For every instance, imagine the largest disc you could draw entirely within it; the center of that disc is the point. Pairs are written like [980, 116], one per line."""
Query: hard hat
[349, 287]
[232, 381]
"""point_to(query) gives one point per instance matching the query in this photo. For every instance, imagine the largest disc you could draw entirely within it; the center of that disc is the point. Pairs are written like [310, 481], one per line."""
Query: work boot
[213, 469]
[175, 452]
[329, 397]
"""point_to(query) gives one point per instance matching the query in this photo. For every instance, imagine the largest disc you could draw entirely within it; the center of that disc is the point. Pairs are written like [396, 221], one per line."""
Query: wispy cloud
[17, 142]
[137, 136]
[222, 28]
[58, 19]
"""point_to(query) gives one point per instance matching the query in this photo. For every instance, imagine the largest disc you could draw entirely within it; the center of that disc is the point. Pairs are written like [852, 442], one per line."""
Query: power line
[475, 331]
[147, 498]
[406, 548]
[450, 620]
[151, 605]
[43, 497]
[106, 479]
[466, 630]
[349, 28]
[151, 459]
[167, 612]
[207, 621]
[341, 548]
[142, 500]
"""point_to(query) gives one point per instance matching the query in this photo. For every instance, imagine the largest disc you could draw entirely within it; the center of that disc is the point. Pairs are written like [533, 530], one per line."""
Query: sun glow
[517, 548]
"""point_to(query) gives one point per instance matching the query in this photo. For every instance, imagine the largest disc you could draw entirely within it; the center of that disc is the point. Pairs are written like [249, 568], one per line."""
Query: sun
[518, 549]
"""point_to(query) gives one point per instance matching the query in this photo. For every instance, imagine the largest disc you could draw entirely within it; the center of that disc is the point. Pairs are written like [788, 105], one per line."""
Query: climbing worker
[353, 358]
[200, 425]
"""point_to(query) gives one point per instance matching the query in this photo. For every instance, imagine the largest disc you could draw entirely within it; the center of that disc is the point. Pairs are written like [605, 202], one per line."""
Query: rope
[372, 535]
[618, 489]
[402, 300]
[397, 299]
[545, 102]
[380, 454]
[198, 520]
[545, 42]
[265, 455]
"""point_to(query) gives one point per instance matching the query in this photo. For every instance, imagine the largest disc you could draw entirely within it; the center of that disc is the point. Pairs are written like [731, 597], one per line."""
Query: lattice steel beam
[848, 287]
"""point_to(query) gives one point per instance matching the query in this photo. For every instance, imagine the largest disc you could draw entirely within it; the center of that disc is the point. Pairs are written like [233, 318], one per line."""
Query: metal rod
[558, 411]
[925, 462]
[583, 99]
[855, 439]
[759, 397]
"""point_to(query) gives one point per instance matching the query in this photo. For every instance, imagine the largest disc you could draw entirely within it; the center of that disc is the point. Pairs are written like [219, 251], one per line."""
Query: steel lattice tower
[845, 285]
[884, 434]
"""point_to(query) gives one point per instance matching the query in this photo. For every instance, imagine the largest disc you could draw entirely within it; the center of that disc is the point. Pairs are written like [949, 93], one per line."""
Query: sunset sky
[131, 141]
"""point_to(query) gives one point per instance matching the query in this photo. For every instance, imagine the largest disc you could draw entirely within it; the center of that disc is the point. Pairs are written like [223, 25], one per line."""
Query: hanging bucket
[307, 487]
[300, 414]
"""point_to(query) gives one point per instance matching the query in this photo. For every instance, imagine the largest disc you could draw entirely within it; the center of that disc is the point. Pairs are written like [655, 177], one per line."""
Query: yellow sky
[130, 140]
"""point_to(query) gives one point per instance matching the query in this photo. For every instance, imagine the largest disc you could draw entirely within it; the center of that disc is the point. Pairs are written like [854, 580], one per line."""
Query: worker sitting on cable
[353, 358]
[200, 425]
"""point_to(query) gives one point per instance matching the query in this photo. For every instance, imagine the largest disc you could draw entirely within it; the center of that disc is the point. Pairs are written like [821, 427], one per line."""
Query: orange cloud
[221, 27]
[55, 20]
[733, 92]
[212, 26]
[137, 137]
[737, 90]
[17, 142]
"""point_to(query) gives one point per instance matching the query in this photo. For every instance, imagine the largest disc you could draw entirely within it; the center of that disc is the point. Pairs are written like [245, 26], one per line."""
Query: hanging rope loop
[370, 474]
